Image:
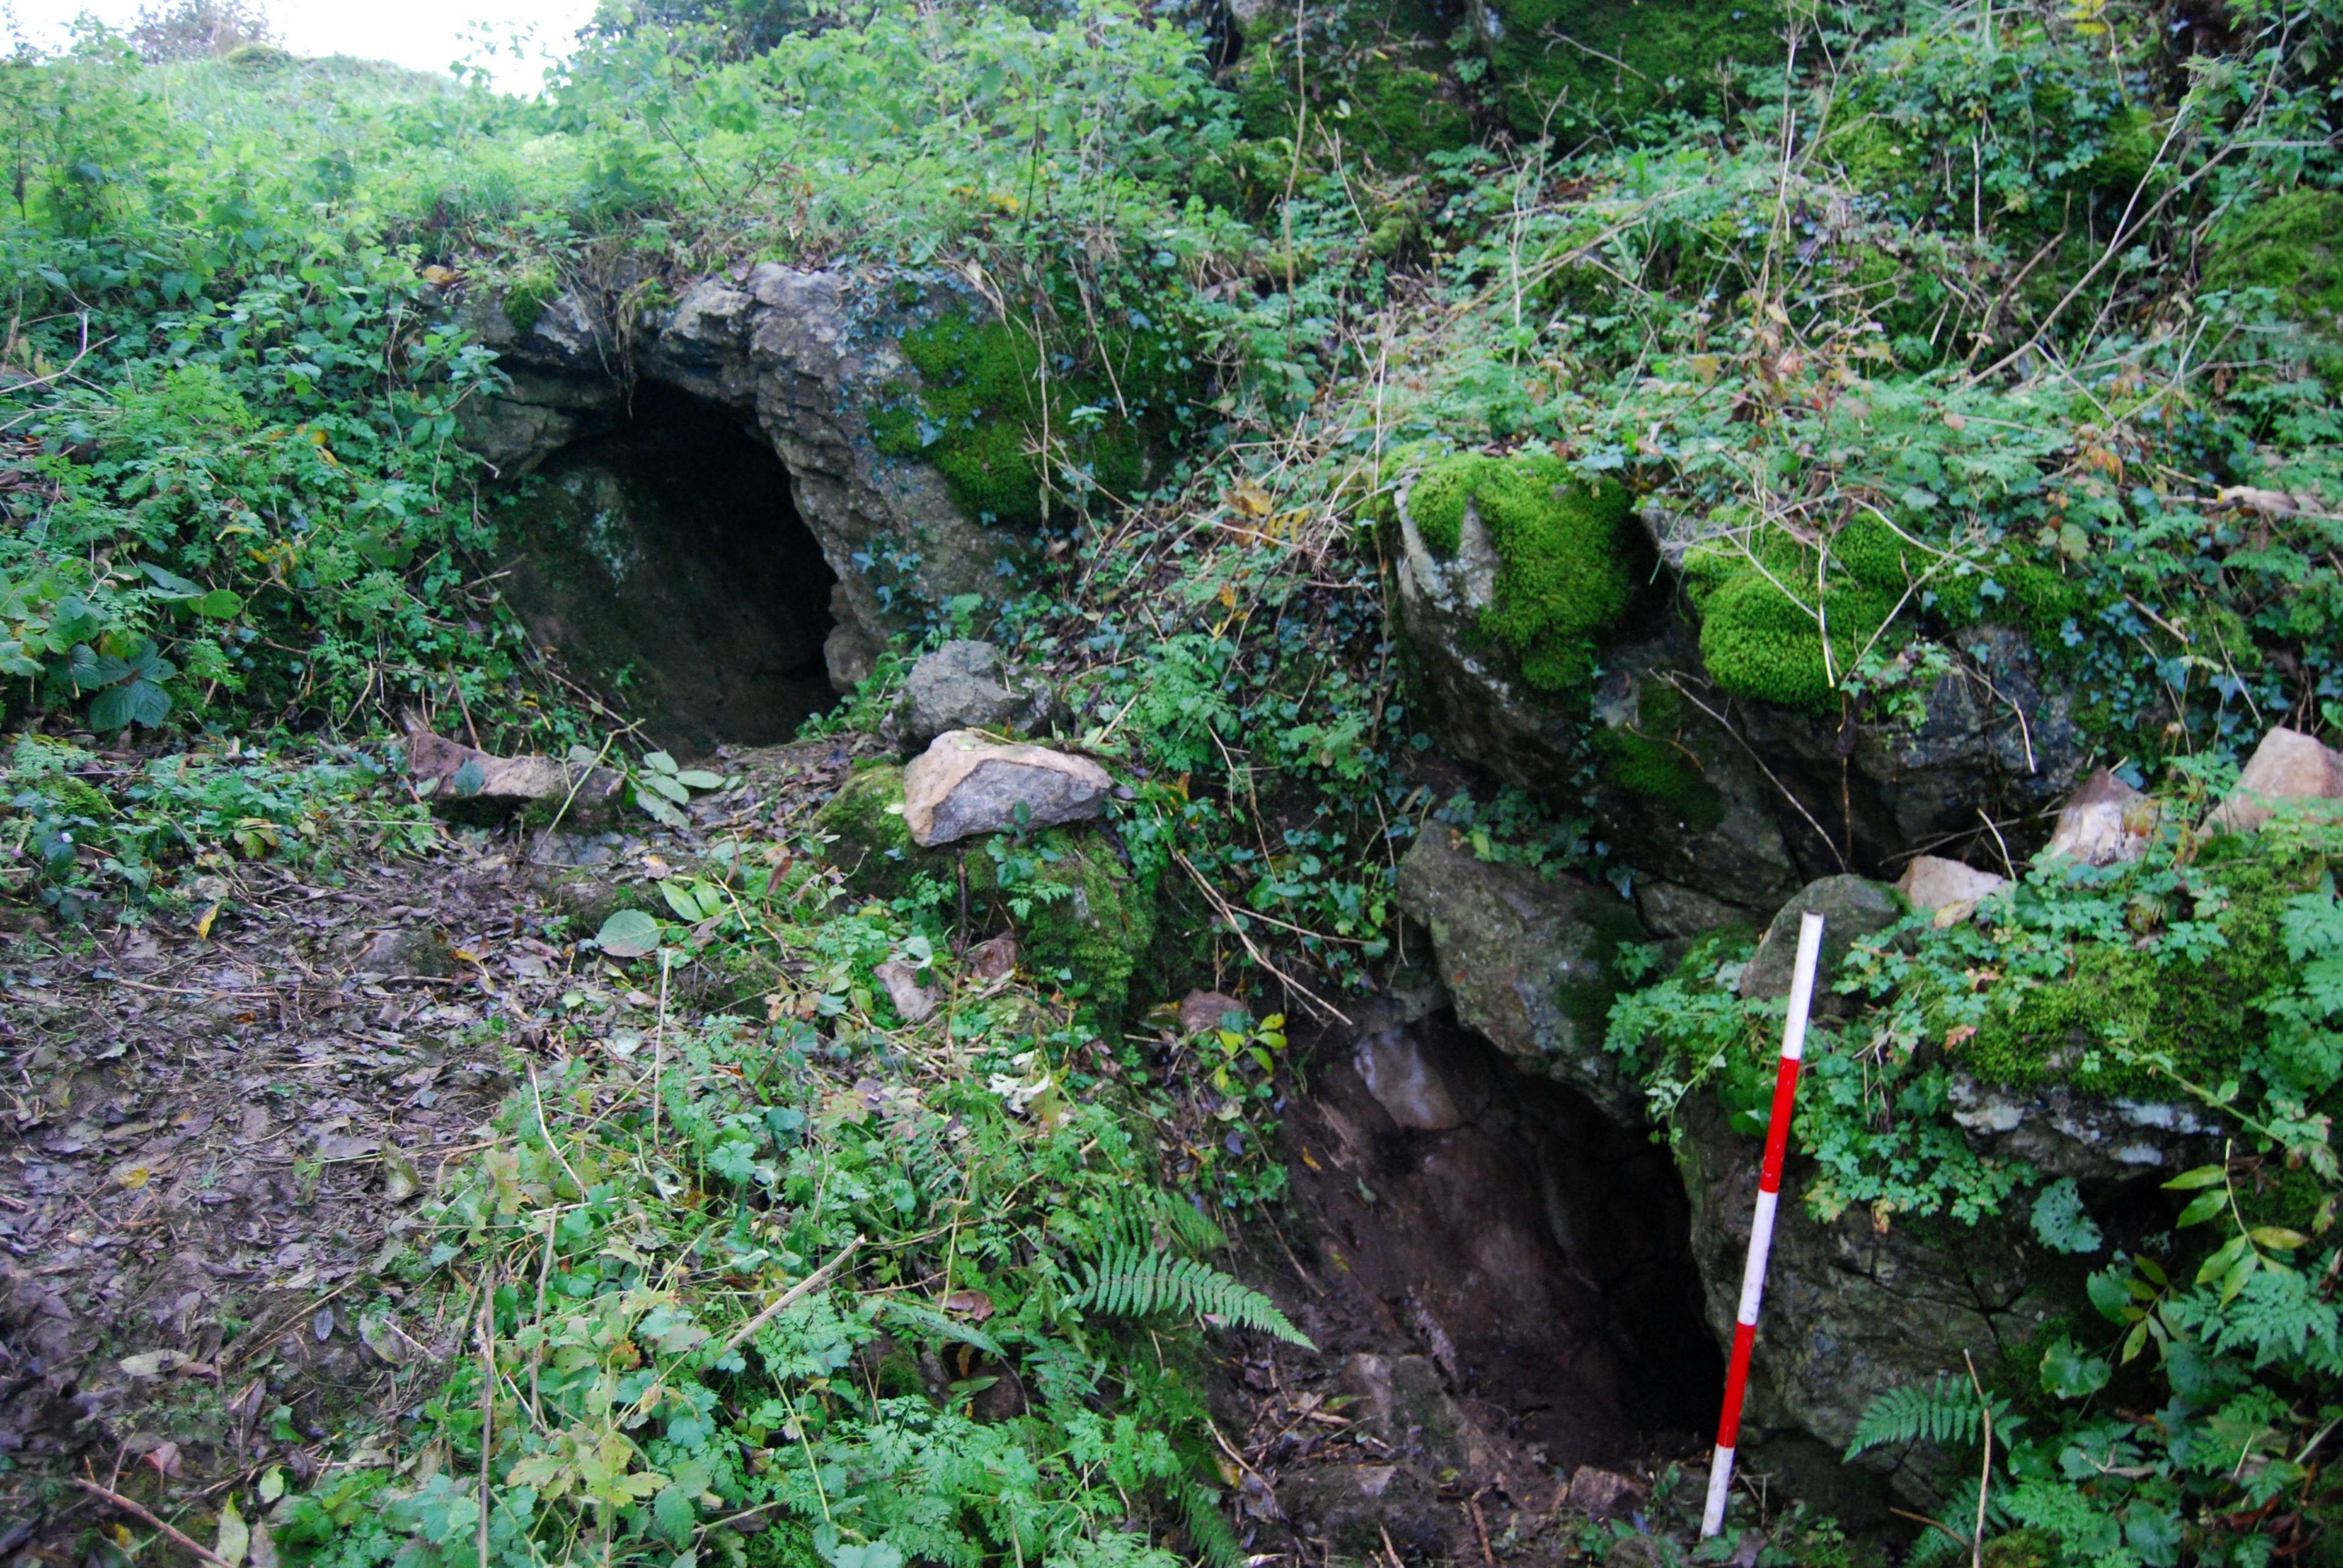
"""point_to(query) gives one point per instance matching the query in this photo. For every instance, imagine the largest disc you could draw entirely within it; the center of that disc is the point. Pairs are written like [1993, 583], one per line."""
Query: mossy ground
[2292, 244]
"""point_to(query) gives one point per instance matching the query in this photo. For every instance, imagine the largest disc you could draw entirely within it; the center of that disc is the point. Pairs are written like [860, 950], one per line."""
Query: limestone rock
[1852, 908]
[915, 1003]
[960, 686]
[1406, 1083]
[464, 779]
[1528, 961]
[2286, 766]
[800, 357]
[1603, 1493]
[1933, 883]
[1203, 1010]
[2104, 822]
[964, 785]
[1672, 910]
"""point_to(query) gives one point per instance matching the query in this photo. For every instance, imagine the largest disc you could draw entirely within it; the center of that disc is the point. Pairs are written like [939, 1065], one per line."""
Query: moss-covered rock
[2292, 244]
[871, 843]
[2202, 1013]
[988, 407]
[1375, 78]
[1760, 642]
[1570, 65]
[1641, 755]
[1561, 575]
[1083, 919]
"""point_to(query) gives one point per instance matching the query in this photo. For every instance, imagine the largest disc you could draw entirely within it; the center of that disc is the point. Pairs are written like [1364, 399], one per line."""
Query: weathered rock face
[799, 356]
[1528, 961]
[1852, 909]
[1738, 800]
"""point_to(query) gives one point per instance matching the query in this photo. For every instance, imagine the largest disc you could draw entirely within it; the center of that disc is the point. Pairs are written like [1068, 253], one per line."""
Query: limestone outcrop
[800, 358]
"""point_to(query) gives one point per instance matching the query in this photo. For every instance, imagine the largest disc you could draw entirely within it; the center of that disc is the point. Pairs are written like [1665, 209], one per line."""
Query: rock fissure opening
[1497, 1234]
[665, 560]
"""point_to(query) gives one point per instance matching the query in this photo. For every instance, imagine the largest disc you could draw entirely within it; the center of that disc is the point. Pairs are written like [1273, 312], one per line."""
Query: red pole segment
[1761, 1225]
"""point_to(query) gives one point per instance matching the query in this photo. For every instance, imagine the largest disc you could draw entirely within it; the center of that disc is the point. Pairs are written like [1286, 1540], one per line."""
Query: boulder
[965, 784]
[463, 780]
[1528, 960]
[2104, 823]
[1409, 1084]
[1934, 884]
[2286, 766]
[960, 685]
[1603, 1493]
[1852, 908]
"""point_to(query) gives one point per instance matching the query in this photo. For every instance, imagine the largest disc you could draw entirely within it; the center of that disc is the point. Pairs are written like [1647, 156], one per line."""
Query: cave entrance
[1502, 1227]
[665, 561]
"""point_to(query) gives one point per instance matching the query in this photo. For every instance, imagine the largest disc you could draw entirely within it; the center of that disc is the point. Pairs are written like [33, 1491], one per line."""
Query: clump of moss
[1762, 643]
[873, 845]
[1561, 574]
[2202, 1014]
[1082, 918]
[529, 293]
[1566, 65]
[987, 405]
[2292, 244]
[1642, 756]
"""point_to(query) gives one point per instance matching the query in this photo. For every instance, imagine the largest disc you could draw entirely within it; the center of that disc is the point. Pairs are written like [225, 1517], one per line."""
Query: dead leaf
[399, 1180]
[972, 1304]
[153, 1363]
[204, 923]
[235, 1538]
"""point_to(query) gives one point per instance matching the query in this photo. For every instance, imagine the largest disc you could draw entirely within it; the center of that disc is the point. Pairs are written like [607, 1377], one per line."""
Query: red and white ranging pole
[1761, 1225]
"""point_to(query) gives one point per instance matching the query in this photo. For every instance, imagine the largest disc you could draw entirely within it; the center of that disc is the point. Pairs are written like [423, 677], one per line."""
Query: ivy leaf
[2060, 1219]
[2068, 1374]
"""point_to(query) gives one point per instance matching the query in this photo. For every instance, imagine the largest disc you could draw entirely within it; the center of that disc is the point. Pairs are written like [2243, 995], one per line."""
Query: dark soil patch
[1499, 1283]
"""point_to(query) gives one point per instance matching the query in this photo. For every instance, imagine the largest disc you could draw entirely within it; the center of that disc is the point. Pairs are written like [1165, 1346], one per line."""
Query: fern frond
[1945, 1411]
[1199, 1510]
[1128, 1281]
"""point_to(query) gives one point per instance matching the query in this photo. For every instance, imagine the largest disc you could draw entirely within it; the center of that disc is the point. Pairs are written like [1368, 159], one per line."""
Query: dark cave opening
[665, 562]
[1500, 1224]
